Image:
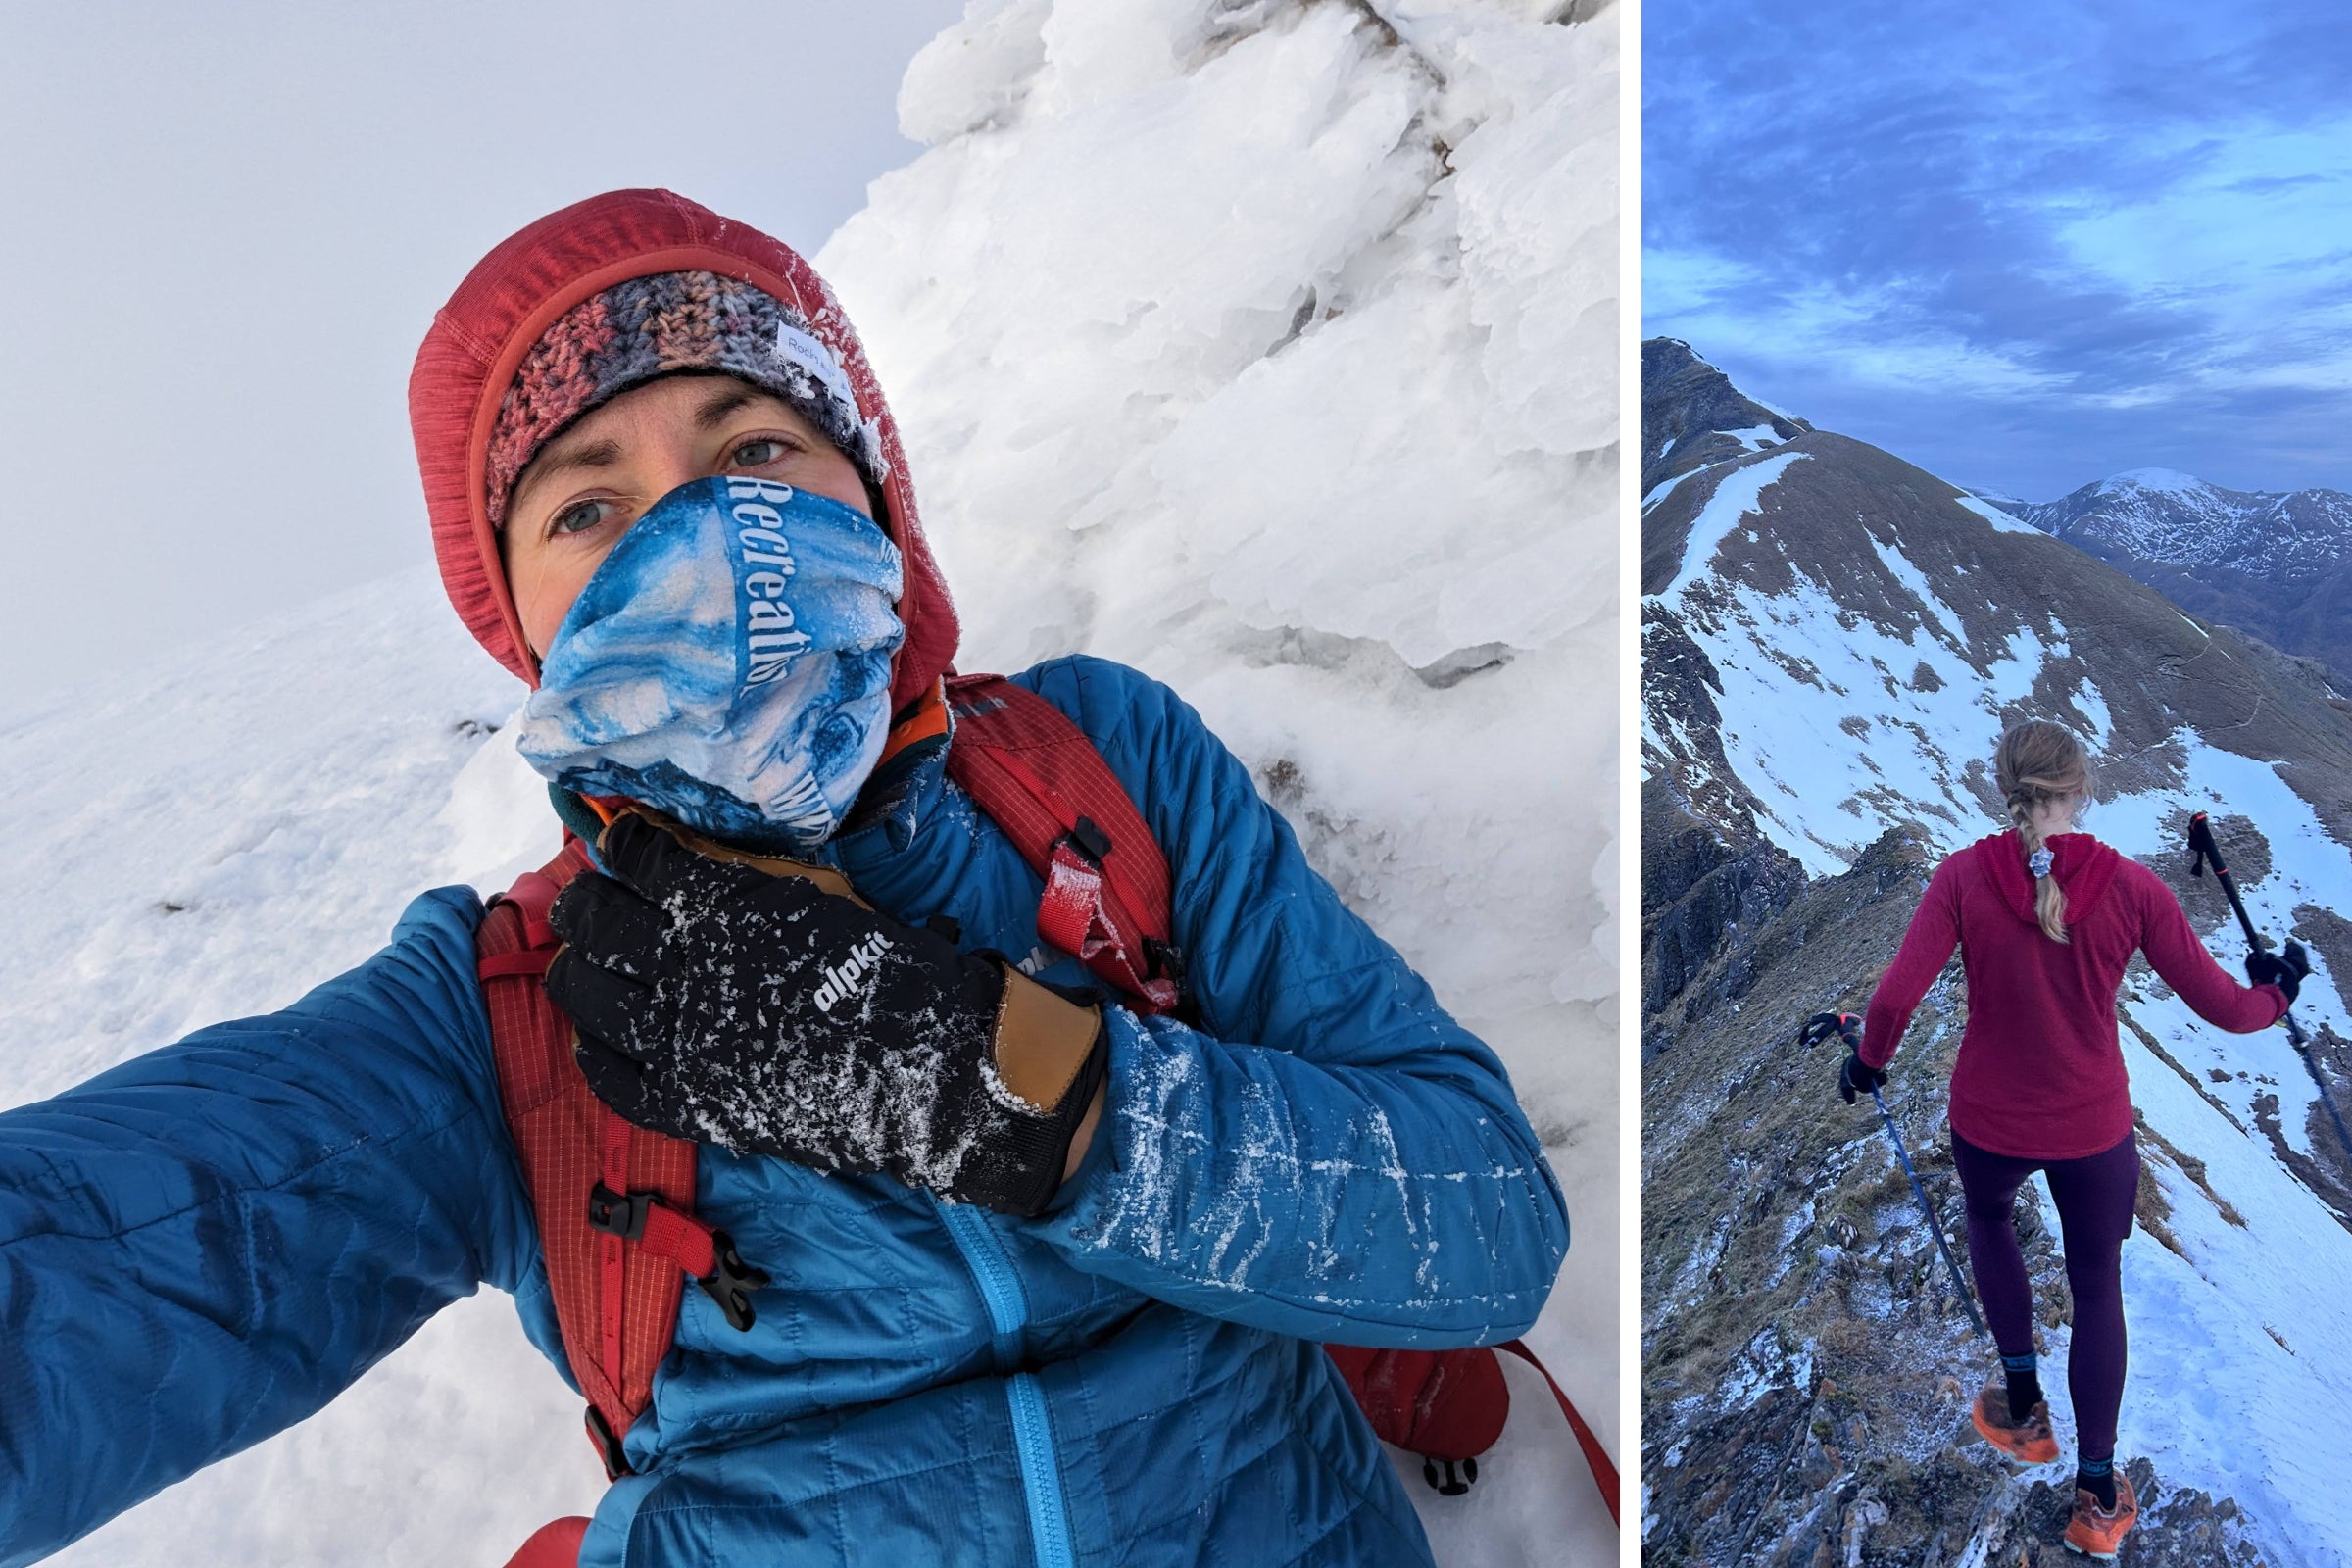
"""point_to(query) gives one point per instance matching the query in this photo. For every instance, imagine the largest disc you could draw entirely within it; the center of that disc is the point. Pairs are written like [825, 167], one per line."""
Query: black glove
[1858, 1077]
[745, 1004]
[2285, 969]
[1845, 1025]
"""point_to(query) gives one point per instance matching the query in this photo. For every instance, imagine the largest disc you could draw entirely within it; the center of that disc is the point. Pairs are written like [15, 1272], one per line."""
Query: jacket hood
[513, 294]
[2084, 868]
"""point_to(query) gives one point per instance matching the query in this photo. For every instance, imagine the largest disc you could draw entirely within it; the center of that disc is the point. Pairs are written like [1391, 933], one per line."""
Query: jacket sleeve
[204, 1245]
[1927, 944]
[2181, 959]
[1328, 1154]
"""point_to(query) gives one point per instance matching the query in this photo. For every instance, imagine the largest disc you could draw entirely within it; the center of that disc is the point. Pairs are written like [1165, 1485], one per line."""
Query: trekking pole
[2204, 851]
[1967, 1298]
[1821, 1026]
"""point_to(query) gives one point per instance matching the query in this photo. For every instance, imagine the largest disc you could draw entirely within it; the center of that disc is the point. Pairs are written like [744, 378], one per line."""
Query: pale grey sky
[227, 228]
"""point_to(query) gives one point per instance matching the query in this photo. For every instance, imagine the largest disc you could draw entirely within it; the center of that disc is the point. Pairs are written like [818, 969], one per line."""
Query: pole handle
[2208, 852]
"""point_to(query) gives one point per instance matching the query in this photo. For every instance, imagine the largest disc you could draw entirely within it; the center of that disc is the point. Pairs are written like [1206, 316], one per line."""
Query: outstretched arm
[2175, 953]
[206, 1244]
[1926, 948]
[1328, 1153]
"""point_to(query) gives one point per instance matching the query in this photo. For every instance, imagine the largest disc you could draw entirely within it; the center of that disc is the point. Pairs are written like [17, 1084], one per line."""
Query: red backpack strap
[615, 1202]
[1596, 1457]
[1038, 777]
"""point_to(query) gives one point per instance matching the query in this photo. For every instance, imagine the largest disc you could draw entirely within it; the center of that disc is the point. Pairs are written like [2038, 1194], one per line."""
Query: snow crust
[2002, 522]
[1271, 350]
[1754, 438]
[2160, 481]
[1664, 488]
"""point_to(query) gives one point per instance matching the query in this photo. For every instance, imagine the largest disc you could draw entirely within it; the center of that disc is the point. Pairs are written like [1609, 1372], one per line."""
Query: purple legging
[2095, 1195]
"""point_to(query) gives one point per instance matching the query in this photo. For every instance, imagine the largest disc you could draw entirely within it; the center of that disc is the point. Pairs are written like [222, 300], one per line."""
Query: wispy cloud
[2022, 246]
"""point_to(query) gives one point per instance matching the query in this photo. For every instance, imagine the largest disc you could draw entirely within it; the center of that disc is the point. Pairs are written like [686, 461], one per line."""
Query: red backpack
[615, 1202]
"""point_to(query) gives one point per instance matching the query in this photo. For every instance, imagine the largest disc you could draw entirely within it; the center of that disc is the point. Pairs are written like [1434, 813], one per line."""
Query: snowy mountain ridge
[2277, 565]
[1833, 640]
[2166, 516]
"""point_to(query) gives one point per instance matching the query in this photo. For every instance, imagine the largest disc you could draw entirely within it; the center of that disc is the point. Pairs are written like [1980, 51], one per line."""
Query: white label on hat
[797, 347]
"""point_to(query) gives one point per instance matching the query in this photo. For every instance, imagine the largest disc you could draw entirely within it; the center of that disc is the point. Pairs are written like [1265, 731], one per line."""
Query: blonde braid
[2037, 762]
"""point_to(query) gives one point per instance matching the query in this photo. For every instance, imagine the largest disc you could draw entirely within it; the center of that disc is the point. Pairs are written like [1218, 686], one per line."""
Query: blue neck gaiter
[728, 663]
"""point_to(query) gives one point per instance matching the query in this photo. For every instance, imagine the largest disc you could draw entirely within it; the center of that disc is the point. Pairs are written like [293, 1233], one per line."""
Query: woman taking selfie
[1022, 1107]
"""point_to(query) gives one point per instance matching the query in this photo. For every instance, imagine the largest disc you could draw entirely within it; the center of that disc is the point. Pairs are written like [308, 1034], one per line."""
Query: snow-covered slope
[1267, 346]
[209, 845]
[1834, 639]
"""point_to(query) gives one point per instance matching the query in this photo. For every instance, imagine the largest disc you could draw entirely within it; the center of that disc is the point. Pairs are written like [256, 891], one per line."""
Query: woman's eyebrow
[714, 409]
[560, 458]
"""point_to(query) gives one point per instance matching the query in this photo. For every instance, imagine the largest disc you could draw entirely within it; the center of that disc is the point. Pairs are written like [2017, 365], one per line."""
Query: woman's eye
[758, 454]
[579, 517]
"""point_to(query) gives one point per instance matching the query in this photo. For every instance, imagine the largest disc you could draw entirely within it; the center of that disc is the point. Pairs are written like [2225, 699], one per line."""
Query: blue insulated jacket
[204, 1245]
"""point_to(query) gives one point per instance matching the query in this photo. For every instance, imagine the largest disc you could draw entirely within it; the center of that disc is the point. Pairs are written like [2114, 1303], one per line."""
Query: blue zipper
[999, 1286]
[1040, 1473]
[1032, 1428]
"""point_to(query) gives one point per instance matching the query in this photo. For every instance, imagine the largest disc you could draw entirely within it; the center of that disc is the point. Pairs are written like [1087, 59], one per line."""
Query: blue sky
[2022, 245]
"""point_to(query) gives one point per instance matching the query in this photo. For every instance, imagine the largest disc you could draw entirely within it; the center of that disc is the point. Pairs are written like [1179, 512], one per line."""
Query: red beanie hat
[546, 325]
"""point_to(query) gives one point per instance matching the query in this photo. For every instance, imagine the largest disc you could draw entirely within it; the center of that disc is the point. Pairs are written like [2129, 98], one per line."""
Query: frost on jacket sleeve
[1328, 1154]
[1927, 944]
[2176, 955]
[202, 1247]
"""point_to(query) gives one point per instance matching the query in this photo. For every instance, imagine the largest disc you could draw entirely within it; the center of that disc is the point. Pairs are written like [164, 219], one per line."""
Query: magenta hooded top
[2040, 1075]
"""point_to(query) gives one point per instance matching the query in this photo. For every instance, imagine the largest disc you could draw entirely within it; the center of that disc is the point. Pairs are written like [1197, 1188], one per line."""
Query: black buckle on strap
[1088, 840]
[731, 1281]
[607, 1446]
[1454, 1484]
[620, 1214]
[1164, 960]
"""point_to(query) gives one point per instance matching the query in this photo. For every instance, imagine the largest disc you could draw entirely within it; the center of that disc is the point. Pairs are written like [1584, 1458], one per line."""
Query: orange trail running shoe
[2097, 1532]
[2029, 1440]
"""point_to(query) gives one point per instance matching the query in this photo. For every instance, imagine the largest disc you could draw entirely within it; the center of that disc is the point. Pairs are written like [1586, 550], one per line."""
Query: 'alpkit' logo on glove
[842, 979]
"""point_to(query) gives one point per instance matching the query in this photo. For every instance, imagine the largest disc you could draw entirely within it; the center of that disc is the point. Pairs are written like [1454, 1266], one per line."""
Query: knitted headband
[651, 326]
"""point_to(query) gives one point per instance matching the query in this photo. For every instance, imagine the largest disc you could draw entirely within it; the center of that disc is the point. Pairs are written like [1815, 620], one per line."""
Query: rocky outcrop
[1704, 899]
[1691, 416]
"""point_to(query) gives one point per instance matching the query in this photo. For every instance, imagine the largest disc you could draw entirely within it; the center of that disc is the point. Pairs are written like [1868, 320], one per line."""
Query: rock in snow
[1267, 347]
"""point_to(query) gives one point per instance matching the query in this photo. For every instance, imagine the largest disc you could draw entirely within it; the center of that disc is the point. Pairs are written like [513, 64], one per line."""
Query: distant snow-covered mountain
[1832, 639]
[2276, 564]
[2177, 520]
